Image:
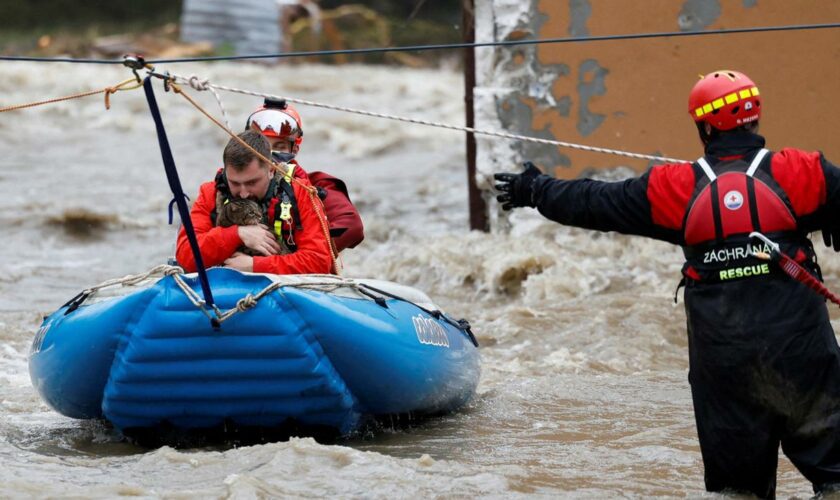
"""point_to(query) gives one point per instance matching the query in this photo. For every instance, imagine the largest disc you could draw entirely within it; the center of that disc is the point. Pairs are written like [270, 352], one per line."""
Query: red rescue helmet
[724, 99]
[277, 119]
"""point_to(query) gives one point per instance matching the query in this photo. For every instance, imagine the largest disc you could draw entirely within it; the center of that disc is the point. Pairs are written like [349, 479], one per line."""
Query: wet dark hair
[238, 157]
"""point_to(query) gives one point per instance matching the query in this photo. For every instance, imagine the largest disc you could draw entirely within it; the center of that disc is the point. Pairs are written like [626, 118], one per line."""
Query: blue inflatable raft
[316, 350]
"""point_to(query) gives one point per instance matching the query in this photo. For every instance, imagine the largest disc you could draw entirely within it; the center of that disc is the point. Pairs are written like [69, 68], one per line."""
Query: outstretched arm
[603, 206]
[624, 206]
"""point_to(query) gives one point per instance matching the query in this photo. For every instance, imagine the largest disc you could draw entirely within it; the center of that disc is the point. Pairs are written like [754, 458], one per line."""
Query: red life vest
[280, 210]
[730, 202]
[737, 201]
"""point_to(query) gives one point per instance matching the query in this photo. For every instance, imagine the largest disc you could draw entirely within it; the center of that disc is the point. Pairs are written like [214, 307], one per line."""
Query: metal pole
[478, 207]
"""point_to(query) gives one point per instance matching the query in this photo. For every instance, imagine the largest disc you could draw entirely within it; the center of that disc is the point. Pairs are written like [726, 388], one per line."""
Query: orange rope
[107, 90]
[277, 168]
[317, 204]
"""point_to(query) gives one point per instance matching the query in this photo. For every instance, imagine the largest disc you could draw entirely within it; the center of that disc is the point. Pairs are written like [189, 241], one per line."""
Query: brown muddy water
[584, 364]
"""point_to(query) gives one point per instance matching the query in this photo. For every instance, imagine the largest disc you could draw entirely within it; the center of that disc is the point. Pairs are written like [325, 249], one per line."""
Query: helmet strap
[707, 132]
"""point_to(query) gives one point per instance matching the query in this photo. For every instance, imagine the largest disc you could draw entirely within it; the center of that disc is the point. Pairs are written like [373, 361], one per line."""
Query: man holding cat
[291, 239]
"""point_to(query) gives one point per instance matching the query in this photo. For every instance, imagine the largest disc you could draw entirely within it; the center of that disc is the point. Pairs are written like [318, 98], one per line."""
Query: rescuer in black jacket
[764, 361]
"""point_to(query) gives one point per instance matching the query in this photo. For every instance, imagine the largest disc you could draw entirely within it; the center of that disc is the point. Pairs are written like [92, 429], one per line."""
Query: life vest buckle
[285, 210]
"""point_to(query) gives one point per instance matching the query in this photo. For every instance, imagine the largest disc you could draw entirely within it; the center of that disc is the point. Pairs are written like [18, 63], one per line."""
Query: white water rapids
[583, 392]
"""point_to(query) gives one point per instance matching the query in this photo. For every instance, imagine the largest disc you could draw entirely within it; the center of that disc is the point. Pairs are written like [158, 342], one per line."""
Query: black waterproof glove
[831, 236]
[517, 189]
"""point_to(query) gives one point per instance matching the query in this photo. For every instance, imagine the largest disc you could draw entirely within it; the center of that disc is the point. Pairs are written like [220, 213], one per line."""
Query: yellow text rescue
[744, 272]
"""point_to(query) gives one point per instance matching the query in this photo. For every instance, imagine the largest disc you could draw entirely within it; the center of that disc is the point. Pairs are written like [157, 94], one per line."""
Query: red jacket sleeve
[313, 252]
[669, 190]
[216, 243]
[800, 175]
[341, 212]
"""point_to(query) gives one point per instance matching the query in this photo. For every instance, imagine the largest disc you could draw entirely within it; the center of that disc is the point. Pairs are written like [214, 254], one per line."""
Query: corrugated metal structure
[633, 94]
[249, 26]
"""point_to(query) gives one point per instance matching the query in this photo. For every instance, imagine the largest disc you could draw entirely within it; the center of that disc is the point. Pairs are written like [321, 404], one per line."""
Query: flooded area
[584, 390]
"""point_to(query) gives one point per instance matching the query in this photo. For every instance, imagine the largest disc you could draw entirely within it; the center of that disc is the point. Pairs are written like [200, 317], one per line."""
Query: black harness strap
[716, 212]
[756, 223]
[177, 191]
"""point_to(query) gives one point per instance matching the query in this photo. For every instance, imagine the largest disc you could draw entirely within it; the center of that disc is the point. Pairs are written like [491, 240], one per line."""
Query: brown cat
[239, 212]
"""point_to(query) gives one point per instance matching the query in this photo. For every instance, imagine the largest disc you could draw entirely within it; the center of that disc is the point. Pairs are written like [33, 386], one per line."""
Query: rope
[197, 84]
[107, 90]
[459, 128]
[317, 204]
[281, 168]
[242, 305]
[196, 299]
[329, 283]
[133, 279]
[249, 301]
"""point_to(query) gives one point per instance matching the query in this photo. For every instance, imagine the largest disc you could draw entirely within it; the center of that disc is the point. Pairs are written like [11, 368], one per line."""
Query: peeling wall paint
[698, 14]
[511, 84]
[579, 10]
[591, 76]
[632, 95]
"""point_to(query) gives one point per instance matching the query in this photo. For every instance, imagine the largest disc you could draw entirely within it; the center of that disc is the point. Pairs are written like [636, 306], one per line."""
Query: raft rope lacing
[206, 85]
[134, 279]
[330, 282]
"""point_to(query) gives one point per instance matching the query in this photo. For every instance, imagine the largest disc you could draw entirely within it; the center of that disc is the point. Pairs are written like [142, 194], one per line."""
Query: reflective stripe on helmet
[728, 99]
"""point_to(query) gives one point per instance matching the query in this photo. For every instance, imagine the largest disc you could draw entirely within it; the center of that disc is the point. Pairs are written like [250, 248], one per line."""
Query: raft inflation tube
[319, 351]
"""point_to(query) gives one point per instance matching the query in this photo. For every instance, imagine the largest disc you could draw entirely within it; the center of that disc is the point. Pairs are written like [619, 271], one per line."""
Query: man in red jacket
[764, 361]
[281, 124]
[291, 239]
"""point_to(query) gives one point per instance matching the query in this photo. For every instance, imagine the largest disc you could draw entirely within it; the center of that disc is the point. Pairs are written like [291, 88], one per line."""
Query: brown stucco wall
[632, 94]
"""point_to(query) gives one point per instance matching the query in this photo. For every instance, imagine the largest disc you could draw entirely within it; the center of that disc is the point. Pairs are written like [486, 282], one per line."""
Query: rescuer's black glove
[831, 236]
[517, 189]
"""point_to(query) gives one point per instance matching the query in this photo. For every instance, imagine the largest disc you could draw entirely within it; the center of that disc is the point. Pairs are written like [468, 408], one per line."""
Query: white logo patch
[748, 105]
[733, 200]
